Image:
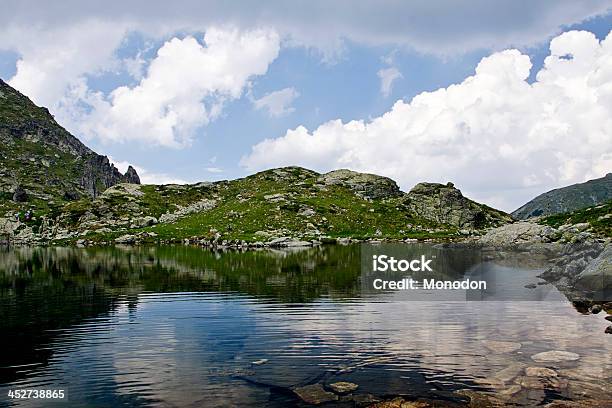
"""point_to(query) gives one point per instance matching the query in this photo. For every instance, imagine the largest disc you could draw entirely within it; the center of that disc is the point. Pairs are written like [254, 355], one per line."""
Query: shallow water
[181, 326]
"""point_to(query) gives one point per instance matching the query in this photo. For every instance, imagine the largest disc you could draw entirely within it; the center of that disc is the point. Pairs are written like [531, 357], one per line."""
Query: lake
[185, 326]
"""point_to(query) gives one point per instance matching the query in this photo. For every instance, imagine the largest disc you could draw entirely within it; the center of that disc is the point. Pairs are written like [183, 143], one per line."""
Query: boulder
[20, 195]
[365, 185]
[597, 276]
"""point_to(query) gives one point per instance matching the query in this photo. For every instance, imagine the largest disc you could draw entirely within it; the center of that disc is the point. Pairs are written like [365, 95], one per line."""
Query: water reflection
[182, 326]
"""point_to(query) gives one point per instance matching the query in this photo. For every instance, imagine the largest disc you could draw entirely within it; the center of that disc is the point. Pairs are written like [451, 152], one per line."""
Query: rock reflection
[184, 326]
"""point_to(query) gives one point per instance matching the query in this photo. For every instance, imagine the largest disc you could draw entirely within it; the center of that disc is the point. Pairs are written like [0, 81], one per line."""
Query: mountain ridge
[76, 194]
[567, 199]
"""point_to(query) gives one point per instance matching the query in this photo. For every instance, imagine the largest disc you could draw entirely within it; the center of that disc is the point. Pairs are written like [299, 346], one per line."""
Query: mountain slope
[567, 199]
[41, 163]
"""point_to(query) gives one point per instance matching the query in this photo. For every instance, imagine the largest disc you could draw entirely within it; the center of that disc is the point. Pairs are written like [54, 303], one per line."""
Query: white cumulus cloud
[184, 88]
[54, 59]
[277, 103]
[497, 136]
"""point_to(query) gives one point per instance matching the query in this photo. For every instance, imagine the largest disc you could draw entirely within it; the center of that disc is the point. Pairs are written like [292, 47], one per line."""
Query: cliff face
[567, 199]
[42, 158]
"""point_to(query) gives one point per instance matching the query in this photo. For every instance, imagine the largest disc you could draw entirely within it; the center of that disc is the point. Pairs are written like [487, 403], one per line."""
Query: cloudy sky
[507, 99]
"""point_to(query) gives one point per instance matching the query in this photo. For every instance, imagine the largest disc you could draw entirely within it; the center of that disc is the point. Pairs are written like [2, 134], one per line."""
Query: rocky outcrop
[568, 198]
[131, 176]
[99, 174]
[45, 158]
[443, 203]
[363, 184]
[517, 234]
[597, 275]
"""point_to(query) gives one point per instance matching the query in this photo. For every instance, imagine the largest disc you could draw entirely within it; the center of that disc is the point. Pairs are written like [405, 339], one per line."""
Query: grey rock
[131, 176]
[443, 203]
[516, 234]
[597, 276]
[125, 239]
[369, 186]
[20, 195]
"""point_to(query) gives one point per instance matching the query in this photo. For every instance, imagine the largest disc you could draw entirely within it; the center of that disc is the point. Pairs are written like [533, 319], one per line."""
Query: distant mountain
[41, 163]
[567, 199]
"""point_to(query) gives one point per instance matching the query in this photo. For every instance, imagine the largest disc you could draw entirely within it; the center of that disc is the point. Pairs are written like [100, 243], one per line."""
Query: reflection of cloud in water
[183, 325]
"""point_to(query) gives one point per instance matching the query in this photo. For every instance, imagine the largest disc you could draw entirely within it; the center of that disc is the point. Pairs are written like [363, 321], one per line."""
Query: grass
[597, 216]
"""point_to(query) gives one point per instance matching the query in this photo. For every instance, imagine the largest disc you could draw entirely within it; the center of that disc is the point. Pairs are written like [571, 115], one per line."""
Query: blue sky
[332, 70]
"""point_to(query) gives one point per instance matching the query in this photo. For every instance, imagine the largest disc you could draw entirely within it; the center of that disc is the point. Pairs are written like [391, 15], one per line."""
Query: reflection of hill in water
[69, 310]
[44, 290]
[289, 276]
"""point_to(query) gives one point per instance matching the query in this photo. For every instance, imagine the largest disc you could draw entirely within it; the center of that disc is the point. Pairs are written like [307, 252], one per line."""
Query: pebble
[595, 309]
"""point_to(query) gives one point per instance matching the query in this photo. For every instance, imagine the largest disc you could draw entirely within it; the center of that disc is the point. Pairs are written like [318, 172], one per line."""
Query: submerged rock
[555, 356]
[343, 387]
[540, 372]
[501, 346]
[315, 394]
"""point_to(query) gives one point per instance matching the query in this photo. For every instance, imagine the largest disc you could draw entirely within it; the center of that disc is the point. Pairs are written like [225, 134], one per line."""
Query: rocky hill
[285, 207]
[567, 199]
[41, 164]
